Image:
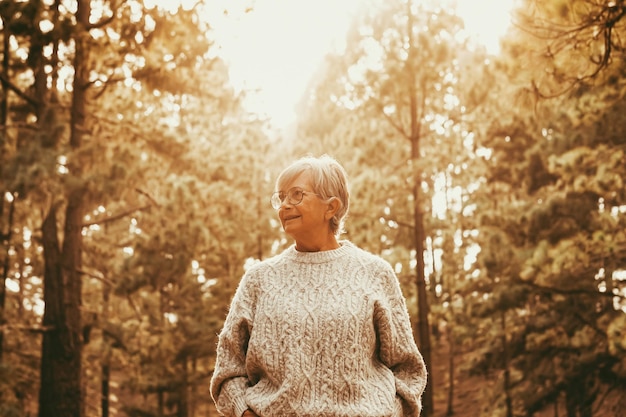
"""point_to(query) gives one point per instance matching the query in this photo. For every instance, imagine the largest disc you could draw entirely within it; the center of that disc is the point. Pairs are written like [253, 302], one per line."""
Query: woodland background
[135, 191]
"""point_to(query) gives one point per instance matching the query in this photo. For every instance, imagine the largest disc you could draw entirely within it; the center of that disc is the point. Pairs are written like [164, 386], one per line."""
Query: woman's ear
[333, 207]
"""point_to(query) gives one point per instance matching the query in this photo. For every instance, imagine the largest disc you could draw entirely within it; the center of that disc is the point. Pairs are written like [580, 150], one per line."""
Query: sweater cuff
[240, 406]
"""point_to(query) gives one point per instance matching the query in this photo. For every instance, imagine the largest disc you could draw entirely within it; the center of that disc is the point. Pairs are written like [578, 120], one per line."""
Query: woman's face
[307, 220]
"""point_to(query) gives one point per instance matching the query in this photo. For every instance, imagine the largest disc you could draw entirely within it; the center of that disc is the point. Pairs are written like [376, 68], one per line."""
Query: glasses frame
[277, 202]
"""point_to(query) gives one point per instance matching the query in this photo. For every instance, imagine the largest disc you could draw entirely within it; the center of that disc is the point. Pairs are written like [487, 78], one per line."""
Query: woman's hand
[249, 413]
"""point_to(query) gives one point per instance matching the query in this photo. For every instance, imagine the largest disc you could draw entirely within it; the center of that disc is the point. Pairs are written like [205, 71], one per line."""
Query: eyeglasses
[294, 197]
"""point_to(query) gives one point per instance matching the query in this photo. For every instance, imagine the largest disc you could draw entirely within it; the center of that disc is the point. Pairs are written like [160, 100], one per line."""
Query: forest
[135, 192]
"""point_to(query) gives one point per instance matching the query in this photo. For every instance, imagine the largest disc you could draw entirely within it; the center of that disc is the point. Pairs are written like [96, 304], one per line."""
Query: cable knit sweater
[323, 334]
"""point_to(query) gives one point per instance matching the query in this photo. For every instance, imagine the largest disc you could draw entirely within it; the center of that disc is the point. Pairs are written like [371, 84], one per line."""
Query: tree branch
[34, 328]
[98, 277]
[117, 216]
[17, 90]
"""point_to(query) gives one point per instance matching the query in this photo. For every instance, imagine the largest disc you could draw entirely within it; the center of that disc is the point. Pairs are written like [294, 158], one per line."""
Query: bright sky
[275, 47]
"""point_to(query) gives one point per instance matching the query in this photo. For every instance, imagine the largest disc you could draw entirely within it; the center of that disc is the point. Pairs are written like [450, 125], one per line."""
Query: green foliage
[576, 42]
[175, 178]
[18, 373]
[551, 227]
[171, 168]
[8, 389]
[617, 344]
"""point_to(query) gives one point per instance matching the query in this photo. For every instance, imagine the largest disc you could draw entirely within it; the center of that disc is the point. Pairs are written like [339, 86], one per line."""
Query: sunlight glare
[273, 47]
[487, 20]
[12, 285]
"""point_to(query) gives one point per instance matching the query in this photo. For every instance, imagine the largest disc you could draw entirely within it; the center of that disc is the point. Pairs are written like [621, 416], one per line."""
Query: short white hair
[329, 180]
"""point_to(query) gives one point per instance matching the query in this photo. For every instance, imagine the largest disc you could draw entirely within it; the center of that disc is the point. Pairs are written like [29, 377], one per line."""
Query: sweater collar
[320, 257]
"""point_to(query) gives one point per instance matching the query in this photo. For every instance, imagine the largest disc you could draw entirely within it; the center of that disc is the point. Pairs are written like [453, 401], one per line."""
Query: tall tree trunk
[5, 237]
[183, 390]
[506, 365]
[105, 367]
[61, 392]
[423, 325]
[160, 402]
[556, 407]
[450, 338]
[6, 59]
[193, 392]
[105, 385]
[571, 403]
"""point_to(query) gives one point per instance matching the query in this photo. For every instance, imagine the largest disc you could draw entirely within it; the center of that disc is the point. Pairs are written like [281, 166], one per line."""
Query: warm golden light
[274, 46]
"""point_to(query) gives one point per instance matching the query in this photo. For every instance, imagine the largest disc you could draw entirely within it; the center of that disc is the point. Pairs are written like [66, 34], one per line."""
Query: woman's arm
[398, 350]
[230, 380]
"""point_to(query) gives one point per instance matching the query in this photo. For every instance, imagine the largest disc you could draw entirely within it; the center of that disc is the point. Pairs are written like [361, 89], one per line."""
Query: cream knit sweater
[323, 334]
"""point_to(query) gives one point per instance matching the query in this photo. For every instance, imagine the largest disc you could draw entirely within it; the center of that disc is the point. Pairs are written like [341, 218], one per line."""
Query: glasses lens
[277, 199]
[295, 195]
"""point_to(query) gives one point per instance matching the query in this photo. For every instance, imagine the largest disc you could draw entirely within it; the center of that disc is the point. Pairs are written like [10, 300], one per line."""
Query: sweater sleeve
[398, 350]
[230, 379]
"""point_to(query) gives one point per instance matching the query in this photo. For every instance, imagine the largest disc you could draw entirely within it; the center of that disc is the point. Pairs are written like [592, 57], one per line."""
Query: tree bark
[507, 371]
[423, 325]
[105, 367]
[5, 237]
[183, 390]
[61, 392]
[451, 351]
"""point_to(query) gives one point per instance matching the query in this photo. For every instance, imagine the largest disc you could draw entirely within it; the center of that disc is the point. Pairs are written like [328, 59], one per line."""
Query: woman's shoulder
[367, 258]
[261, 267]
[380, 272]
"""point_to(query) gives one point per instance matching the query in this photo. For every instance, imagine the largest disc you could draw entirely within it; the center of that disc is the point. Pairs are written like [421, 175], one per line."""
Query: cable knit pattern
[323, 334]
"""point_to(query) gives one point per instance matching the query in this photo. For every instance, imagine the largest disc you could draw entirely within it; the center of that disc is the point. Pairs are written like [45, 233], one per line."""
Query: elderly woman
[321, 329]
